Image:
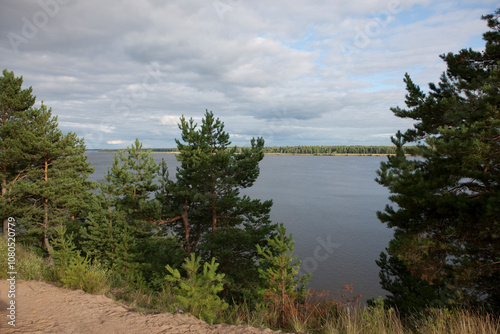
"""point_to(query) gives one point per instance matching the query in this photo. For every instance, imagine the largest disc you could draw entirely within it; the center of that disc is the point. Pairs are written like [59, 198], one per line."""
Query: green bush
[197, 293]
[280, 272]
[4, 266]
[28, 265]
[32, 266]
[81, 274]
[74, 270]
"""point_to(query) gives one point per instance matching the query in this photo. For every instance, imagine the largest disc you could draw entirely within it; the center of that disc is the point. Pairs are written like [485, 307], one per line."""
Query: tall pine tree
[447, 227]
[15, 115]
[43, 172]
[204, 205]
[119, 228]
[55, 188]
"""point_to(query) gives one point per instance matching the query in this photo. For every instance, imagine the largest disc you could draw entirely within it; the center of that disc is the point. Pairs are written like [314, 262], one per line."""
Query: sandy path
[44, 308]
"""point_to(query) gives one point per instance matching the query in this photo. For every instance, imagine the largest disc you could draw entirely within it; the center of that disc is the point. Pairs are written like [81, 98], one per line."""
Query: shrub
[81, 274]
[28, 265]
[197, 293]
[75, 271]
[279, 271]
[32, 267]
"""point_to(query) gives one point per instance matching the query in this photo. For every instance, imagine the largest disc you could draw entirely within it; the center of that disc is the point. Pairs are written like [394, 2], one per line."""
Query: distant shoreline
[336, 155]
[352, 150]
[299, 154]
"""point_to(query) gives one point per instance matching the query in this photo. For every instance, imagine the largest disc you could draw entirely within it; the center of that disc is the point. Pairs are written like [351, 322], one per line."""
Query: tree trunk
[46, 240]
[187, 228]
[214, 212]
[46, 214]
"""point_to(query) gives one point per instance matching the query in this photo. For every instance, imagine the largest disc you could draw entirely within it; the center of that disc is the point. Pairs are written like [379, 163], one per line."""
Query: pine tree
[43, 172]
[198, 292]
[279, 271]
[15, 115]
[101, 233]
[119, 226]
[132, 178]
[409, 294]
[447, 231]
[204, 205]
[55, 188]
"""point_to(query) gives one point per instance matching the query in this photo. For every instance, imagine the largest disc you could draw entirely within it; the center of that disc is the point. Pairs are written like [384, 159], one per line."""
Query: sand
[42, 307]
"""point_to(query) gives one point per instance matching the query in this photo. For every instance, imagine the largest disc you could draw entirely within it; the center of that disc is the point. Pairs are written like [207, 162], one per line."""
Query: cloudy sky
[301, 72]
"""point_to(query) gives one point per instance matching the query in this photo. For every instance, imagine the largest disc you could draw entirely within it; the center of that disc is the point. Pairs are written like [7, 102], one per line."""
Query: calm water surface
[329, 204]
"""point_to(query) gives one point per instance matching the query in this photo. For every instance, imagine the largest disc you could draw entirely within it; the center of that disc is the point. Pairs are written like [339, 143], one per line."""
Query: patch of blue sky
[305, 42]
[379, 81]
[418, 13]
[414, 14]
[319, 60]
[421, 12]
[378, 88]
[309, 42]
[416, 69]
[476, 44]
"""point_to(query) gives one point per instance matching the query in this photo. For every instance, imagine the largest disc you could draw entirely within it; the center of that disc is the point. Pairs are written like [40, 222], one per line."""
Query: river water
[329, 204]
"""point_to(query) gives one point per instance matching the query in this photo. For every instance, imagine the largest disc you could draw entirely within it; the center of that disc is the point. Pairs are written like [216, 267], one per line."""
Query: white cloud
[167, 119]
[117, 142]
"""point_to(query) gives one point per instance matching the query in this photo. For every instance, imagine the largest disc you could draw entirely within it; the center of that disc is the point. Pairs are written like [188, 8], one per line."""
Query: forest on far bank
[311, 150]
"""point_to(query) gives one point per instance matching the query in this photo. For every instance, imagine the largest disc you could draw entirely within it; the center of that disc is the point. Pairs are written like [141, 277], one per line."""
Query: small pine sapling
[280, 274]
[197, 293]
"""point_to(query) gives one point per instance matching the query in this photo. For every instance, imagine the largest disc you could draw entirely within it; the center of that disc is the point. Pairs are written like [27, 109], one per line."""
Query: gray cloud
[311, 72]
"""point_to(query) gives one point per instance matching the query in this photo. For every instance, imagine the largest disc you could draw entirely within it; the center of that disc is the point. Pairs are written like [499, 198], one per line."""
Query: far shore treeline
[308, 150]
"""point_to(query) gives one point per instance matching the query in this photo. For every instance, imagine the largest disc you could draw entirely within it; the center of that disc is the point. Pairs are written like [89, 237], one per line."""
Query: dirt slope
[44, 308]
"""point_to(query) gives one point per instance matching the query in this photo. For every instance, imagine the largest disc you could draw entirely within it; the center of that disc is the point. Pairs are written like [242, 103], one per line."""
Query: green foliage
[43, 172]
[325, 317]
[278, 267]
[197, 293]
[279, 270]
[74, 270]
[443, 320]
[4, 265]
[204, 205]
[335, 150]
[160, 251]
[132, 178]
[103, 230]
[80, 273]
[64, 249]
[409, 294]
[15, 114]
[119, 227]
[29, 266]
[445, 219]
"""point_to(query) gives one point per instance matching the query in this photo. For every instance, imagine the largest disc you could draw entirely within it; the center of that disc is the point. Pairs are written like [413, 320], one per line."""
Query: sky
[300, 72]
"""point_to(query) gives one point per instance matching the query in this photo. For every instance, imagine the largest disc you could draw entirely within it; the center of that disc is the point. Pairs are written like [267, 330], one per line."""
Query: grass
[316, 316]
[459, 321]
[27, 265]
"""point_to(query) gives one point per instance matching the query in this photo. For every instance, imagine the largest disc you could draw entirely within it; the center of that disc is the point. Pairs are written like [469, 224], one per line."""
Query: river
[329, 204]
